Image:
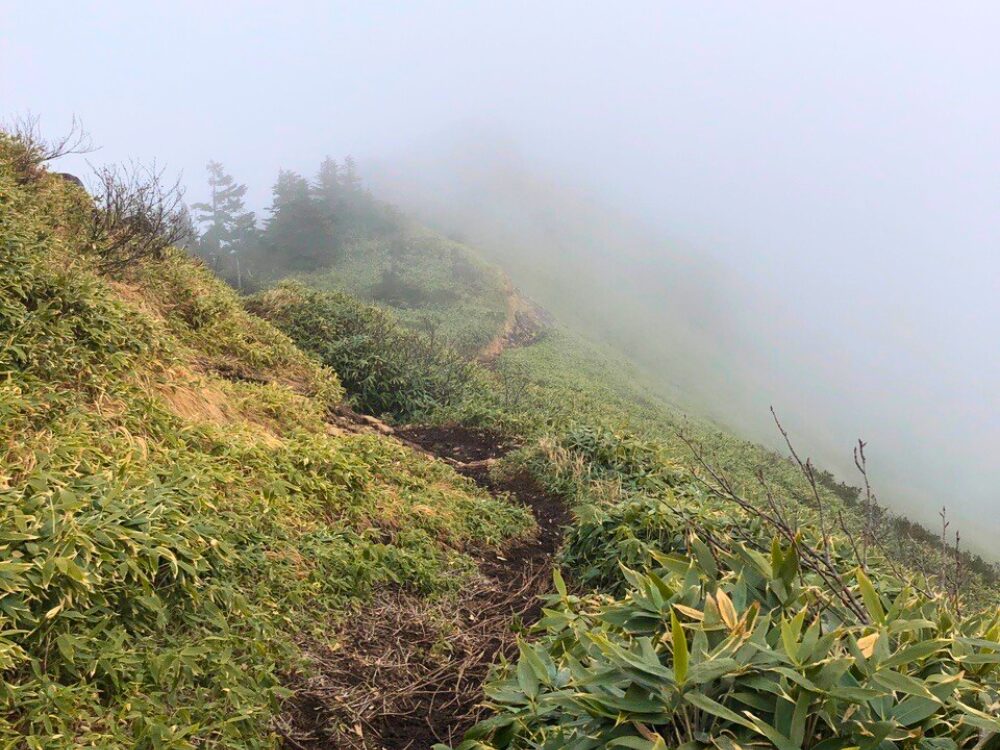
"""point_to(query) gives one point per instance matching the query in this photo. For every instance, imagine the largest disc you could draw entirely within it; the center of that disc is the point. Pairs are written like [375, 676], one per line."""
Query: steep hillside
[718, 594]
[553, 375]
[183, 527]
[684, 531]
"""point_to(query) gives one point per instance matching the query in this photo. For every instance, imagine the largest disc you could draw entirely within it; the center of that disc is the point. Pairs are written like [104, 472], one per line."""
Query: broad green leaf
[893, 680]
[798, 731]
[873, 602]
[706, 704]
[679, 643]
[916, 652]
[914, 710]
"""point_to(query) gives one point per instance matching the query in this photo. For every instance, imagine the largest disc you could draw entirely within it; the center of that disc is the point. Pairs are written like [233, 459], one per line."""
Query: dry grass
[405, 673]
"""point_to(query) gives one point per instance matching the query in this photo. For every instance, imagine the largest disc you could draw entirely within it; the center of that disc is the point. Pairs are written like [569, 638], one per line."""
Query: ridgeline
[381, 500]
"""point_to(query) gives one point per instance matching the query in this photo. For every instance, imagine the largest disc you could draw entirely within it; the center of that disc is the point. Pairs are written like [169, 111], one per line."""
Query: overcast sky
[839, 161]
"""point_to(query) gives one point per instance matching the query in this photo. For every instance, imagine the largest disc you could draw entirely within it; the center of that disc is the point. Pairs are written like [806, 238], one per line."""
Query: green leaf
[706, 704]
[892, 680]
[914, 710]
[638, 743]
[711, 670]
[560, 584]
[873, 602]
[526, 679]
[679, 641]
[916, 652]
[798, 732]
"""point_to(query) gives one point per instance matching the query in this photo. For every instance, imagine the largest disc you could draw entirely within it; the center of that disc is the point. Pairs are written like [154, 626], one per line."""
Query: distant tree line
[309, 224]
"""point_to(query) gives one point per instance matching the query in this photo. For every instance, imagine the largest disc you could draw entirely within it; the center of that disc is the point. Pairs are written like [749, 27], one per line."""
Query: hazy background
[784, 203]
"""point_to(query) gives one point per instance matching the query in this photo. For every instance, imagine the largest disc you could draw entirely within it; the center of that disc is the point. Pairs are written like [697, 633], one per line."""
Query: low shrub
[386, 369]
[731, 648]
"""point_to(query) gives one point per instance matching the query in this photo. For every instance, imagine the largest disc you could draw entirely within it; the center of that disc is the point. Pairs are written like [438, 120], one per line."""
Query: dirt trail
[525, 323]
[412, 674]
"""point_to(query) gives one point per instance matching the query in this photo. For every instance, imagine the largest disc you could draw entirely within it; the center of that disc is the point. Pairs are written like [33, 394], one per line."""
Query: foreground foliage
[703, 631]
[704, 652]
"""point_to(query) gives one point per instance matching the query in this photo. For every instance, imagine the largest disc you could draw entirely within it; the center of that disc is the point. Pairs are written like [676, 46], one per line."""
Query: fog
[762, 203]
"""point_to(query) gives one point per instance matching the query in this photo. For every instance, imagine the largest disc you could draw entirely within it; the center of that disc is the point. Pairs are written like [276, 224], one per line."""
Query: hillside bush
[731, 648]
[386, 369]
[136, 215]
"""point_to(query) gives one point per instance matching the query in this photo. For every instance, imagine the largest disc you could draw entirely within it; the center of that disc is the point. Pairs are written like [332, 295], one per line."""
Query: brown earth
[526, 323]
[409, 674]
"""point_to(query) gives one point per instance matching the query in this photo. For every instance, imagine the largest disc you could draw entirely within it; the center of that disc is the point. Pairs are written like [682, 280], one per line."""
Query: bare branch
[136, 214]
[807, 471]
[811, 559]
[36, 150]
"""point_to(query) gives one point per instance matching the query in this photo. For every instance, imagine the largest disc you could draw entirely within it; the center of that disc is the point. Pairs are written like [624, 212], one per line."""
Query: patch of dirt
[526, 323]
[461, 444]
[409, 674]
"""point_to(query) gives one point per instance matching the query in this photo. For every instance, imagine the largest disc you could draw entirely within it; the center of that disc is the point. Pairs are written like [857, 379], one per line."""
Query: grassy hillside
[718, 598]
[722, 595]
[565, 379]
[433, 284]
[710, 604]
[181, 525]
[200, 548]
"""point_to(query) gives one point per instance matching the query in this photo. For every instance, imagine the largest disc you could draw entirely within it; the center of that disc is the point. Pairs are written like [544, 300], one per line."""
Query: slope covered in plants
[435, 285]
[204, 546]
[721, 594]
[180, 522]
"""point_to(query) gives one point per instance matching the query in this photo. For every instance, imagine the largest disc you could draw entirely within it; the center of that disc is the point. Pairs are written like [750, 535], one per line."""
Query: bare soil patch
[525, 323]
[409, 674]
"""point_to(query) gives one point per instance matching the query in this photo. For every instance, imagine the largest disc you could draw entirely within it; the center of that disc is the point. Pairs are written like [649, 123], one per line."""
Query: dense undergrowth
[176, 512]
[387, 369]
[695, 624]
[434, 285]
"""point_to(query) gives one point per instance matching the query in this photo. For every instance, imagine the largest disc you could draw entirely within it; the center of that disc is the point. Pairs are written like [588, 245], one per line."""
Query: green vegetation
[694, 622]
[335, 235]
[309, 225]
[701, 623]
[183, 527]
[728, 646]
[177, 515]
[388, 370]
[438, 287]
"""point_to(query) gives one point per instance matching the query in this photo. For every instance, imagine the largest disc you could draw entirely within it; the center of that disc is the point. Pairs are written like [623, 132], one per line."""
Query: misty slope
[800, 636]
[182, 526]
[432, 284]
[575, 370]
[591, 266]
[723, 331]
[574, 374]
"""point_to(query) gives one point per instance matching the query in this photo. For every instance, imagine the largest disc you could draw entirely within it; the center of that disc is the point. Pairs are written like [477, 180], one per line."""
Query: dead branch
[807, 471]
[813, 560]
[136, 214]
[36, 150]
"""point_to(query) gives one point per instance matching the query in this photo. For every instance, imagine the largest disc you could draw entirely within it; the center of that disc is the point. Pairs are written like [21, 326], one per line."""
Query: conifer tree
[229, 228]
[350, 179]
[299, 231]
[328, 186]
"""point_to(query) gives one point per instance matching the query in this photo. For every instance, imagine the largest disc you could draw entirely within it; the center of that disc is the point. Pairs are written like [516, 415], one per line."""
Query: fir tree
[299, 232]
[229, 228]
